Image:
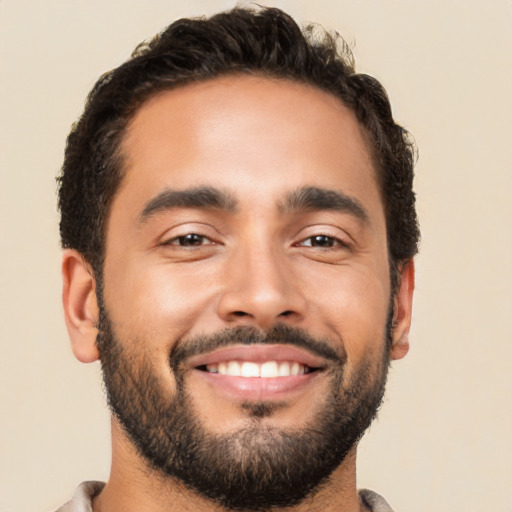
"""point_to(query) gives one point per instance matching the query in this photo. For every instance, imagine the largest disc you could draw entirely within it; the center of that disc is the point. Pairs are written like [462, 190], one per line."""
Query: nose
[260, 290]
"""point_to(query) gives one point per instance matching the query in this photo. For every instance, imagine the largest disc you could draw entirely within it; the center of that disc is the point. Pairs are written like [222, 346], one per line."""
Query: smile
[258, 372]
[266, 370]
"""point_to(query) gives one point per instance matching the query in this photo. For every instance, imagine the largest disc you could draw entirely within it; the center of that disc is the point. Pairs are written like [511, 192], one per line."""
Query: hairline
[119, 158]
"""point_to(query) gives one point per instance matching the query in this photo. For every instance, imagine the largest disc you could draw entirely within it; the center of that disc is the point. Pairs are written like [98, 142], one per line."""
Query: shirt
[86, 491]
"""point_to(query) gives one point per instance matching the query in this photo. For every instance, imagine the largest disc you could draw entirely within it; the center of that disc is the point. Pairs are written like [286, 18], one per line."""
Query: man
[239, 231]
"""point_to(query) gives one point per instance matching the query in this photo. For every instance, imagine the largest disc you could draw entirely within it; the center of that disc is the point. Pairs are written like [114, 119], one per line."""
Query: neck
[134, 487]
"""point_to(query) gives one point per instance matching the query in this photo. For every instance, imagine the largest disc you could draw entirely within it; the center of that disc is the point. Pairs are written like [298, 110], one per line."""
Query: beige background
[444, 438]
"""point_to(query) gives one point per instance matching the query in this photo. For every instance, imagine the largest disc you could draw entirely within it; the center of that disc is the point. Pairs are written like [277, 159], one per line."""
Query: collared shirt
[86, 491]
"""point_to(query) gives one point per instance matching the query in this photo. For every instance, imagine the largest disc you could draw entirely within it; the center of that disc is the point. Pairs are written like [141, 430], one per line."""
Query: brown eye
[190, 240]
[322, 241]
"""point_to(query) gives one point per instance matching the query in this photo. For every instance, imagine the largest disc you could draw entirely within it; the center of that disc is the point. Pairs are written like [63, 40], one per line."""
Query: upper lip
[258, 353]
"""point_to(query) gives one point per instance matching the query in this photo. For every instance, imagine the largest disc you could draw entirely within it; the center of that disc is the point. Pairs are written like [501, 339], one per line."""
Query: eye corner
[322, 241]
[188, 241]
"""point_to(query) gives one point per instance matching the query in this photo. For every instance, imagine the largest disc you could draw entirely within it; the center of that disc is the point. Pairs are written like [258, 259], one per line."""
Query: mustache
[247, 335]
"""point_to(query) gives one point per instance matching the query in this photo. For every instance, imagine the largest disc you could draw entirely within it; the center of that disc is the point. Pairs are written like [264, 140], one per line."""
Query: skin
[258, 140]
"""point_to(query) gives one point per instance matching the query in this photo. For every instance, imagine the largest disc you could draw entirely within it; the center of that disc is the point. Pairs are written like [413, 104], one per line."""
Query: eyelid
[189, 228]
[338, 234]
[175, 240]
[337, 242]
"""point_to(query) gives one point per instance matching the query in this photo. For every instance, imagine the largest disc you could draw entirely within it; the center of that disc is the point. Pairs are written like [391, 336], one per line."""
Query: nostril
[286, 313]
[240, 313]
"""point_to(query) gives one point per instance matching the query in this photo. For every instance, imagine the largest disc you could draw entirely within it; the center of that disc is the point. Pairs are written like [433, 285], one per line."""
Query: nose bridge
[259, 286]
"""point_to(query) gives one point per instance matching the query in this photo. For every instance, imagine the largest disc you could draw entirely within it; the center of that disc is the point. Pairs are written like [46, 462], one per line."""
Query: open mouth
[265, 370]
[258, 372]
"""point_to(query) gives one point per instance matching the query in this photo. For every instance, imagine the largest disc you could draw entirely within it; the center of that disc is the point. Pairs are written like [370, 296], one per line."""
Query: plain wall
[443, 440]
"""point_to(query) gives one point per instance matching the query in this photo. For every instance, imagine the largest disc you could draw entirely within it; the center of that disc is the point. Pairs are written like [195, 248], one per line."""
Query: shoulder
[82, 498]
[375, 502]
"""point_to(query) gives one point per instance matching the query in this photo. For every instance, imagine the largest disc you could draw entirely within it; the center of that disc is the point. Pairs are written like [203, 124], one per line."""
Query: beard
[258, 466]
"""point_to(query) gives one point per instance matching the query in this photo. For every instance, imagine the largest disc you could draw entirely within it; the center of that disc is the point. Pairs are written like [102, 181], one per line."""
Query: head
[266, 43]
[241, 201]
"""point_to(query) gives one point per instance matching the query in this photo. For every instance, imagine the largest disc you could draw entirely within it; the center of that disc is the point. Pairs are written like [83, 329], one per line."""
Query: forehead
[254, 135]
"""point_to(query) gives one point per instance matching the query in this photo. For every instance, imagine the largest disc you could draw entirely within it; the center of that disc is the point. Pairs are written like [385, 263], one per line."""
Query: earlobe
[80, 305]
[403, 311]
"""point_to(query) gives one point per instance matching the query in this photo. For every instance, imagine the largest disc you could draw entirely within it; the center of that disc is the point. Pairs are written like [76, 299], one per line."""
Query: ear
[80, 305]
[403, 311]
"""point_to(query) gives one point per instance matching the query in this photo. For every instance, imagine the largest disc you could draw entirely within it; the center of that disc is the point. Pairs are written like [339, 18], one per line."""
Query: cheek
[353, 304]
[158, 303]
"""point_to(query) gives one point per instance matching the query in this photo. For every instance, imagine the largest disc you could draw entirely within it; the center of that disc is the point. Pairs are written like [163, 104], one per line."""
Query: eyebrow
[302, 199]
[317, 199]
[200, 197]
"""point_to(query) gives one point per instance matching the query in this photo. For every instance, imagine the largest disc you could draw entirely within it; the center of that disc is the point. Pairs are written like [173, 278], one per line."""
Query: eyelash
[326, 242]
[331, 242]
[177, 241]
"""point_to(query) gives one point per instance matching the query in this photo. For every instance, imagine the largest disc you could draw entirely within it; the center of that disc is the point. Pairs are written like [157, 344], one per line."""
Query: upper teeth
[250, 369]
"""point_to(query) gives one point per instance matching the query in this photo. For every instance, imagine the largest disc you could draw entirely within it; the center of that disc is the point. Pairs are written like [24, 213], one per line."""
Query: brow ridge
[317, 199]
[197, 197]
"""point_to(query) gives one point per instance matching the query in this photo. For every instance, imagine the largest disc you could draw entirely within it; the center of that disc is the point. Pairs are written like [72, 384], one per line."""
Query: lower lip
[258, 388]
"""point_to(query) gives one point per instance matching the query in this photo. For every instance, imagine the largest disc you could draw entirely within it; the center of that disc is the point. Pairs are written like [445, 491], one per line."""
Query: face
[246, 290]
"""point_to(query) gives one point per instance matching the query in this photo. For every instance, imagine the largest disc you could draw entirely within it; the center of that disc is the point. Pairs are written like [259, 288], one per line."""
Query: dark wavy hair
[264, 42]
